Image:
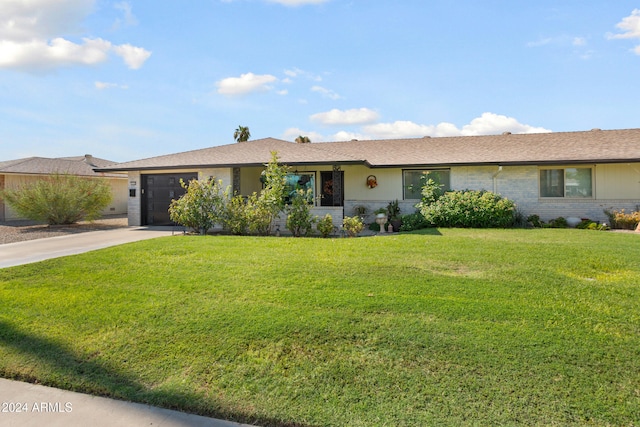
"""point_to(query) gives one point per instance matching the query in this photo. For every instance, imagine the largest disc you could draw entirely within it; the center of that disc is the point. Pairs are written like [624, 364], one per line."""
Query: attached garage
[157, 192]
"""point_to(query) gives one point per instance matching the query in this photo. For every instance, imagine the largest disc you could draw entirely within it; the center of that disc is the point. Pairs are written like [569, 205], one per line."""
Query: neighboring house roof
[595, 146]
[81, 166]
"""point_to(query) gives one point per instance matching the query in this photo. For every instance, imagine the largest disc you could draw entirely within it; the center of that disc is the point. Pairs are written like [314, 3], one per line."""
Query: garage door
[157, 192]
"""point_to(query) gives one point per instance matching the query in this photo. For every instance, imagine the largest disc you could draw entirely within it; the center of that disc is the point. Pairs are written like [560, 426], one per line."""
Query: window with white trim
[413, 180]
[571, 183]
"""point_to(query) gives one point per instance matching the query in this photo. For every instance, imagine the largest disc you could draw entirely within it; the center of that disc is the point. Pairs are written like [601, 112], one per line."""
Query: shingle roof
[597, 146]
[81, 165]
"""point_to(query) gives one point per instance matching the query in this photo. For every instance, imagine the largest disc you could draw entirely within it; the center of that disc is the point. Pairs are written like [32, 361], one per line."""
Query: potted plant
[393, 209]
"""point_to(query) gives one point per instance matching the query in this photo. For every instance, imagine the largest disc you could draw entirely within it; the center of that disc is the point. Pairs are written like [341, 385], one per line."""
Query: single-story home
[16, 173]
[570, 174]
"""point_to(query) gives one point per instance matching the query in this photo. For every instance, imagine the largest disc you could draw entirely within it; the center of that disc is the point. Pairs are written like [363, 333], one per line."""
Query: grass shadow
[84, 373]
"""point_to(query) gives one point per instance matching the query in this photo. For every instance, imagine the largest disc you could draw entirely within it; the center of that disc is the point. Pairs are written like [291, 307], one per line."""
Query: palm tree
[242, 134]
[302, 139]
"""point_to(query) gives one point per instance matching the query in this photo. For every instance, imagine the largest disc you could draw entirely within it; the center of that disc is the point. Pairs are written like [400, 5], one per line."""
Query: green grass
[449, 327]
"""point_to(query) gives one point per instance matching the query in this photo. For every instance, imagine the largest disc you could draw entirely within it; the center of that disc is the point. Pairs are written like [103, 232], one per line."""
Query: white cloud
[30, 37]
[630, 26]
[327, 93]
[490, 124]
[133, 56]
[41, 55]
[128, 18]
[106, 85]
[23, 21]
[292, 133]
[348, 136]
[540, 42]
[244, 84]
[486, 124]
[355, 116]
[579, 41]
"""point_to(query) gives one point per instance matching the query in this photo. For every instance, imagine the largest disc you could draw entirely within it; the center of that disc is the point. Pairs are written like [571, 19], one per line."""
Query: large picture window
[413, 180]
[574, 183]
[305, 181]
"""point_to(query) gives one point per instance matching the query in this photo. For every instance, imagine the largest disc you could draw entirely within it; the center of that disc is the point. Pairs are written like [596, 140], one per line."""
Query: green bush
[325, 225]
[587, 224]
[414, 221]
[299, 219]
[60, 199]
[470, 209]
[236, 218]
[201, 207]
[353, 225]
[559, 222]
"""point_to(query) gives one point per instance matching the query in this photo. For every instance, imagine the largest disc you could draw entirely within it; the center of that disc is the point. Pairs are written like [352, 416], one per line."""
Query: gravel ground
[19, 231]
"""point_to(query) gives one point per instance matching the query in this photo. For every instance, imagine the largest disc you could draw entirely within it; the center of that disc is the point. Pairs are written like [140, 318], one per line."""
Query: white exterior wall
[134, 212]
[614, 187]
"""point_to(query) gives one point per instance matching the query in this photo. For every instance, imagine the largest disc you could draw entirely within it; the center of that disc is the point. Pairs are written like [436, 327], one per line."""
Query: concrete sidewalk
[19, 253]
[30, 405]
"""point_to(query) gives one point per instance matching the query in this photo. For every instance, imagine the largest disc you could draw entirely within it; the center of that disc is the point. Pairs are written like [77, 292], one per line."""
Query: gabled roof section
[80, 165]
[595, 146]
[249, 153]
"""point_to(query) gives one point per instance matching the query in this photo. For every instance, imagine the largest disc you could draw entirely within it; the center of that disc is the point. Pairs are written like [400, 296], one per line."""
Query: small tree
[201, 207]
[264, 208]
[61, 199]
[299, 219]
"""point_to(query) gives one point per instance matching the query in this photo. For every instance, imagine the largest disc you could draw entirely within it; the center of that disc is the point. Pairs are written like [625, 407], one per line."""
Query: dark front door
[157, 192]
[332, 188]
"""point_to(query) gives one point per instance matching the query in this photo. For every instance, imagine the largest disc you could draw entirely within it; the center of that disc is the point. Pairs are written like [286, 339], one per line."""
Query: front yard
[447, 327]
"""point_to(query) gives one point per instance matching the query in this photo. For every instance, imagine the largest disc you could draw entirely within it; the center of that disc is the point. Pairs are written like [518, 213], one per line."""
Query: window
[305, 181]
[414, 180]
[574, 183]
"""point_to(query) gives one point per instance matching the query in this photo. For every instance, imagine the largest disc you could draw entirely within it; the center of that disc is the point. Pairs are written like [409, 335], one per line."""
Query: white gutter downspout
[495, 179]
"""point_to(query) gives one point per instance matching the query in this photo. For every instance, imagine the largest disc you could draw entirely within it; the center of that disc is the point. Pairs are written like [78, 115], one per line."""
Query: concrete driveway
[19, 253]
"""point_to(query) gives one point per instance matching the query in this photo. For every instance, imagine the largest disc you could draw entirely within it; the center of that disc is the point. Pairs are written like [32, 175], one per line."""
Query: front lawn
[447, 327]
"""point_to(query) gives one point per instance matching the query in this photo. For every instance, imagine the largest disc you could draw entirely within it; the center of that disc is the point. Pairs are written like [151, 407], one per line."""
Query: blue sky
[125, 80]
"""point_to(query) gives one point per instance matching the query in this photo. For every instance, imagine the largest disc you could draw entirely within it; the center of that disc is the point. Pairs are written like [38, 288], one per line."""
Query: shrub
[235, 219]
[201, 207]
[325, 225]
[620, 219]
[352, 225]
[587, 224]
[414, 221]
[559, 222]
[61, 199]
[470, 209]
[299, 219]
[535, 221]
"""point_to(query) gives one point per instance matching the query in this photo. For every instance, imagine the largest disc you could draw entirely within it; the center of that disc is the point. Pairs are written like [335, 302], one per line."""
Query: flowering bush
[325, 225]
[620, 219]
[352, 225]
